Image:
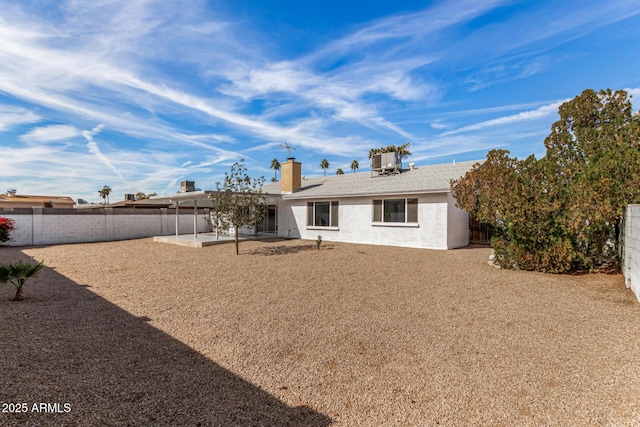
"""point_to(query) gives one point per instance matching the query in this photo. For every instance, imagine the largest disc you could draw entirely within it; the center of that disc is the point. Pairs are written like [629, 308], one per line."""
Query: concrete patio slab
[206, 239]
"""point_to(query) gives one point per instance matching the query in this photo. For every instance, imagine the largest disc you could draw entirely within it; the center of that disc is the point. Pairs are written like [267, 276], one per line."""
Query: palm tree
[403, 150]
[18, 273]
[354, 166]
[339, 171]
[324, 164]
[275, 165]
[104, 193]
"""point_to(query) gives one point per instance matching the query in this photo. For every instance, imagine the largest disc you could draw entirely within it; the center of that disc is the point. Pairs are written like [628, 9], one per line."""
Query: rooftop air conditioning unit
[386, 162]
[187, 186]
[376, 162]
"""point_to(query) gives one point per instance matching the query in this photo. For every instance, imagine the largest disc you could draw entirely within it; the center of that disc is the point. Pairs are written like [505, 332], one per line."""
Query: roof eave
[295, 196]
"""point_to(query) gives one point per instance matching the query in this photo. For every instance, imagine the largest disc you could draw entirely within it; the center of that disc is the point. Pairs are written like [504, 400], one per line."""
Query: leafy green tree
[354, 166]
[563, 211]
[339, 171]
[324, 164]
[595, 149]
[480, 192]
[238, 201]
[18, 273]
[275, 165]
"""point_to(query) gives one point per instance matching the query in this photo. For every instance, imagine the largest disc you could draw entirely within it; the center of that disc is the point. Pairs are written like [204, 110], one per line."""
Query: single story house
[11, 199]
[385, 206]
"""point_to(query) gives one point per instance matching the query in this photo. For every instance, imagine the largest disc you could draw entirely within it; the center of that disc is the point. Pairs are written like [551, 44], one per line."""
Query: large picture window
[322, 214]
[395, 210]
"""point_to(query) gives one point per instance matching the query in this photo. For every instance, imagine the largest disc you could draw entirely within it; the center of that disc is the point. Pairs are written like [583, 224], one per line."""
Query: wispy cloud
[196, 88]
[544, 111]
[95, 149]
[51, 133]
[11, 117]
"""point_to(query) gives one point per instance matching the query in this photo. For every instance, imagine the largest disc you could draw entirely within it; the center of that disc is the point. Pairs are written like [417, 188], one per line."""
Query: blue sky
[140, 95]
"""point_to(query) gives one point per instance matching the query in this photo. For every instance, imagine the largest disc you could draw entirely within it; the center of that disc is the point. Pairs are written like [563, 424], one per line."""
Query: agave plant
[18, 273]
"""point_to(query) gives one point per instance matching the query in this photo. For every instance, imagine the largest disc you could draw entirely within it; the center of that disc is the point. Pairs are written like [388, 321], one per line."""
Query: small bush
[6, 225]
[17, 273]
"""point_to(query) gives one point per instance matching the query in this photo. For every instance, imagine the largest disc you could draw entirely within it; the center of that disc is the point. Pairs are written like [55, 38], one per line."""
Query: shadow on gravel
[283, 250]
[66, 345]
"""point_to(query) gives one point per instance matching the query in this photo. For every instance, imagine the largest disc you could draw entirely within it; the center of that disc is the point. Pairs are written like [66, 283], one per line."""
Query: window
[322, 214]
[395, 210]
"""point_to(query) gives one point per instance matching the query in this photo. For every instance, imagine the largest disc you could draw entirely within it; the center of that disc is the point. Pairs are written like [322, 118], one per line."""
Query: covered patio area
[191, 201]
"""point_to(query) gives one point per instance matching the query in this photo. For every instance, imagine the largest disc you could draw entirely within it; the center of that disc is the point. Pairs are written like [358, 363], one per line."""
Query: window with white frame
[395, 210]
[322, 214]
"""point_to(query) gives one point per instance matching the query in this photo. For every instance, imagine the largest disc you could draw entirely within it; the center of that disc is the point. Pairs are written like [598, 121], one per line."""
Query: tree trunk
[236, 232]
[19, 295]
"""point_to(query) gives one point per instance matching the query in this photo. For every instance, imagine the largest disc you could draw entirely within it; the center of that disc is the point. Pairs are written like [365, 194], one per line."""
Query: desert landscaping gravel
[137, 333]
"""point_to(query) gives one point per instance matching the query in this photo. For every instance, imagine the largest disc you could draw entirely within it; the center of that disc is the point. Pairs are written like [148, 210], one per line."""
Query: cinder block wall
[42, 226]
[631, 252]
[356, 225]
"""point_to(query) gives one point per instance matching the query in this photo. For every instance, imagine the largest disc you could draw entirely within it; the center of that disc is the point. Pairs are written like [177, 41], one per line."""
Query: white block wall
[439, 226]
[631, 251]
[40, 226]
[457, 225]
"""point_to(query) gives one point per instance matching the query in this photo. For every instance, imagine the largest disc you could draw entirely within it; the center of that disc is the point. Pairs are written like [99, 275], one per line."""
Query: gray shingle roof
[423, 179]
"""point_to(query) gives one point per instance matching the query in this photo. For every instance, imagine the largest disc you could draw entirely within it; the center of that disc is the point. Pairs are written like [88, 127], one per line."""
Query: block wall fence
[47, 226]
[631, 249]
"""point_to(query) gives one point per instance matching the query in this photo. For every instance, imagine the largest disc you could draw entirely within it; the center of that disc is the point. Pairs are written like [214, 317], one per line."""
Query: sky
[142, 94]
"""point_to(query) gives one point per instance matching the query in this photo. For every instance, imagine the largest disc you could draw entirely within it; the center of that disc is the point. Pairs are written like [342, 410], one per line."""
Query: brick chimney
[290, 176]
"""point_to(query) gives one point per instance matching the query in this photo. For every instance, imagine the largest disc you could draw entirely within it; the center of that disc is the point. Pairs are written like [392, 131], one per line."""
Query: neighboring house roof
[26, 200]
[423, 179]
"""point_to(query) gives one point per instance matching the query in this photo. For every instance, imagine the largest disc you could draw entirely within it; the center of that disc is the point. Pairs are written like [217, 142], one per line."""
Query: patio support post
[195, 219]
[177, 215]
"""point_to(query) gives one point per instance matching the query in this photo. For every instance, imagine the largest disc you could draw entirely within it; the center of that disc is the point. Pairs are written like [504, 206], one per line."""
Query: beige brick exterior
[291, 176]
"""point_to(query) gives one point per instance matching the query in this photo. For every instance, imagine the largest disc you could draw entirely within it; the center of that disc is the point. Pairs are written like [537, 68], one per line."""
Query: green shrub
[17, 273]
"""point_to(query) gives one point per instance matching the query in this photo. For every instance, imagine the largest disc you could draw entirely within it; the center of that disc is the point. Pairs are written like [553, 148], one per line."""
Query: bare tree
[238, 201]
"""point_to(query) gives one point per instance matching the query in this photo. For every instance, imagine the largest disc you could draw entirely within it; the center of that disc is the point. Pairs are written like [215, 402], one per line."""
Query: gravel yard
[147, 334]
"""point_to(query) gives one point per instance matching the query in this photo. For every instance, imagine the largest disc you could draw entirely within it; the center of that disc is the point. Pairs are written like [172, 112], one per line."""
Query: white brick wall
[631, 252]
[457, 225]
[37, 227]
[435, 218]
